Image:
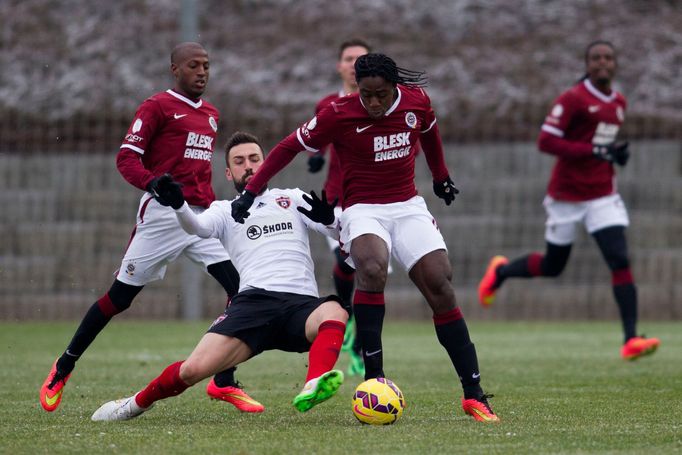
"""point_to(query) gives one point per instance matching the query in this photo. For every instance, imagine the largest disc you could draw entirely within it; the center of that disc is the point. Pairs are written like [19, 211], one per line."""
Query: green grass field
[559, 388]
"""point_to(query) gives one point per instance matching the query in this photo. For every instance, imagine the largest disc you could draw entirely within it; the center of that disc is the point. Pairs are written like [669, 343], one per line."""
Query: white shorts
[409, 230]
[158, 239]
[595, 214]
[333, 243]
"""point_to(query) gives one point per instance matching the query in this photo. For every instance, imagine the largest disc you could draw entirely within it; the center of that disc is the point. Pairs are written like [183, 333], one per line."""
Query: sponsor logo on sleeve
[557, 110]
[137, 126]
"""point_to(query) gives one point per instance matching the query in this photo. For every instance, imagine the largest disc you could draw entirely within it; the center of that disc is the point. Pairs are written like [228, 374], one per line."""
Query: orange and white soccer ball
[378, 402]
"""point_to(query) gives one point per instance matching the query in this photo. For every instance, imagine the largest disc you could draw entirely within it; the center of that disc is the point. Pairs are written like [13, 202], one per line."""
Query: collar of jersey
[196, 105]
[393, 107]
[594, 91]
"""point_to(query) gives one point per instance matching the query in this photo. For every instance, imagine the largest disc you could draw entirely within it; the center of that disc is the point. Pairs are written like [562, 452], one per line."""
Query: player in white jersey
[277, 307]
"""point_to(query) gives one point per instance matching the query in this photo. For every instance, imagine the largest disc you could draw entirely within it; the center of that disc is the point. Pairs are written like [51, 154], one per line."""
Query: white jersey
[271, 249]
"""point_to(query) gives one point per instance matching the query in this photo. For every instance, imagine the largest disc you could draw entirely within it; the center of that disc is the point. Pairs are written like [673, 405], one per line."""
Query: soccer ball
[378, 402]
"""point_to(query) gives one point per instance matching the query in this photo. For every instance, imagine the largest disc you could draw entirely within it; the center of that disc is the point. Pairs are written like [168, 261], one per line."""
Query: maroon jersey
[173, 134]
[581, 117]
[376, 155]
[332, 186]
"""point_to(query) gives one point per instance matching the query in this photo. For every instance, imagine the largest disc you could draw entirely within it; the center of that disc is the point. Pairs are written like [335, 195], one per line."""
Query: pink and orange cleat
[235, 396]
[486, 288]
[638, 347]
[480, 409]
[51, 391]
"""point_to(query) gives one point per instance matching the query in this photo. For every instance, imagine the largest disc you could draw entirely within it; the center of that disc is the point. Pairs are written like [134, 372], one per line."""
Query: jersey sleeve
[551, 139]
[560, 115]
[148, 119]
[208, 224]
[311, 136]
[431, 143]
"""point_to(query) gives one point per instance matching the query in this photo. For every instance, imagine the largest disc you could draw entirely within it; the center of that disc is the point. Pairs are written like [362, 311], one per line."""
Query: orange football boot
[486, 288]
[638, 347]
[480, 409]
[51, 391]
[235, 396]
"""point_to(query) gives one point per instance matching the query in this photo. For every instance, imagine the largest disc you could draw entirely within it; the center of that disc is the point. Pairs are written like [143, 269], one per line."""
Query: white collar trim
[594, 91]
[395, 105]
[196, 105]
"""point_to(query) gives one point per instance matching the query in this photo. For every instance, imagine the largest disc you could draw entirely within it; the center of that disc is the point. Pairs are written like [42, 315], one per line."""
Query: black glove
[445, 190]
[615, 152]
[170, 192]
[241, 206]
[320, 211]
[315, 163]
[153, 188]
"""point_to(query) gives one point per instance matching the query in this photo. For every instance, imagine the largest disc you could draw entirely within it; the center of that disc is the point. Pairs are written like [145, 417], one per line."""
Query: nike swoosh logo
[360, 130]
[476, 375]
[241, 398]
[177, 116]
[593, 109]
[51, 400]
[370, 354]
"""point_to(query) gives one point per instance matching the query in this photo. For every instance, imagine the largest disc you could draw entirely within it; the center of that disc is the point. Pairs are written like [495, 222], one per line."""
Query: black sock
[626, 298]
[226, 378]
[454, 337]
[516, 268]
[369, 313]
[92, 324]
[344, 289]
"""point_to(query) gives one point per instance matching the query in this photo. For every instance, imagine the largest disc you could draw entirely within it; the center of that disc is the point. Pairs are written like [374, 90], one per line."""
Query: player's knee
[191, 372]
[372, 274]
[122, 295]
[618, 260]
[332, 310]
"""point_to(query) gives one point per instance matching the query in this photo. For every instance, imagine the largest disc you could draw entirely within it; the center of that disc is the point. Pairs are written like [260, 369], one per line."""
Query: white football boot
[123, 409]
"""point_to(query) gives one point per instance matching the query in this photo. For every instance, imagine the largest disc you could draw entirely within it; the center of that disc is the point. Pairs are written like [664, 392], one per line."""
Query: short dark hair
[238, 138]
[353, 42]
[381, 65]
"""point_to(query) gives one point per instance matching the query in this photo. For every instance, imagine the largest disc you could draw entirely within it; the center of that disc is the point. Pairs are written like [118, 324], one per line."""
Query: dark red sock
[325, 349]
[167, 384]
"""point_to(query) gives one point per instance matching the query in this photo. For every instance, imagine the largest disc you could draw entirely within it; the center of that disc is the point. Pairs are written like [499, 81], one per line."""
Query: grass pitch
[559, 388]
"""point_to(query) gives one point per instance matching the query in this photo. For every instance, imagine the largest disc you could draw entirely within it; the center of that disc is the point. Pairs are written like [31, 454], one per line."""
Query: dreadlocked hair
[370, 65]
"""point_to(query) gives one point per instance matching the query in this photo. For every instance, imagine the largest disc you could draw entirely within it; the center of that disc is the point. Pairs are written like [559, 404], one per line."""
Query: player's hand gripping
[320, 211]
[315, 163]
[241, 206]
[445, 190]
[166, 191]
[615, 152]
[170, 192]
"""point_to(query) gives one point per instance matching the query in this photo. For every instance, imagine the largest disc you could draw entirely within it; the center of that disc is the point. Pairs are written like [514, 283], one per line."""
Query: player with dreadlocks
[581, 131]
[374, 133]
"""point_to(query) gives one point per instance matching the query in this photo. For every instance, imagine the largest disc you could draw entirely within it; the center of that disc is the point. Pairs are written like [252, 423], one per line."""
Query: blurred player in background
[343, 274]
[374, 134]
[173, 132]
[581, 131]
[278, 305]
